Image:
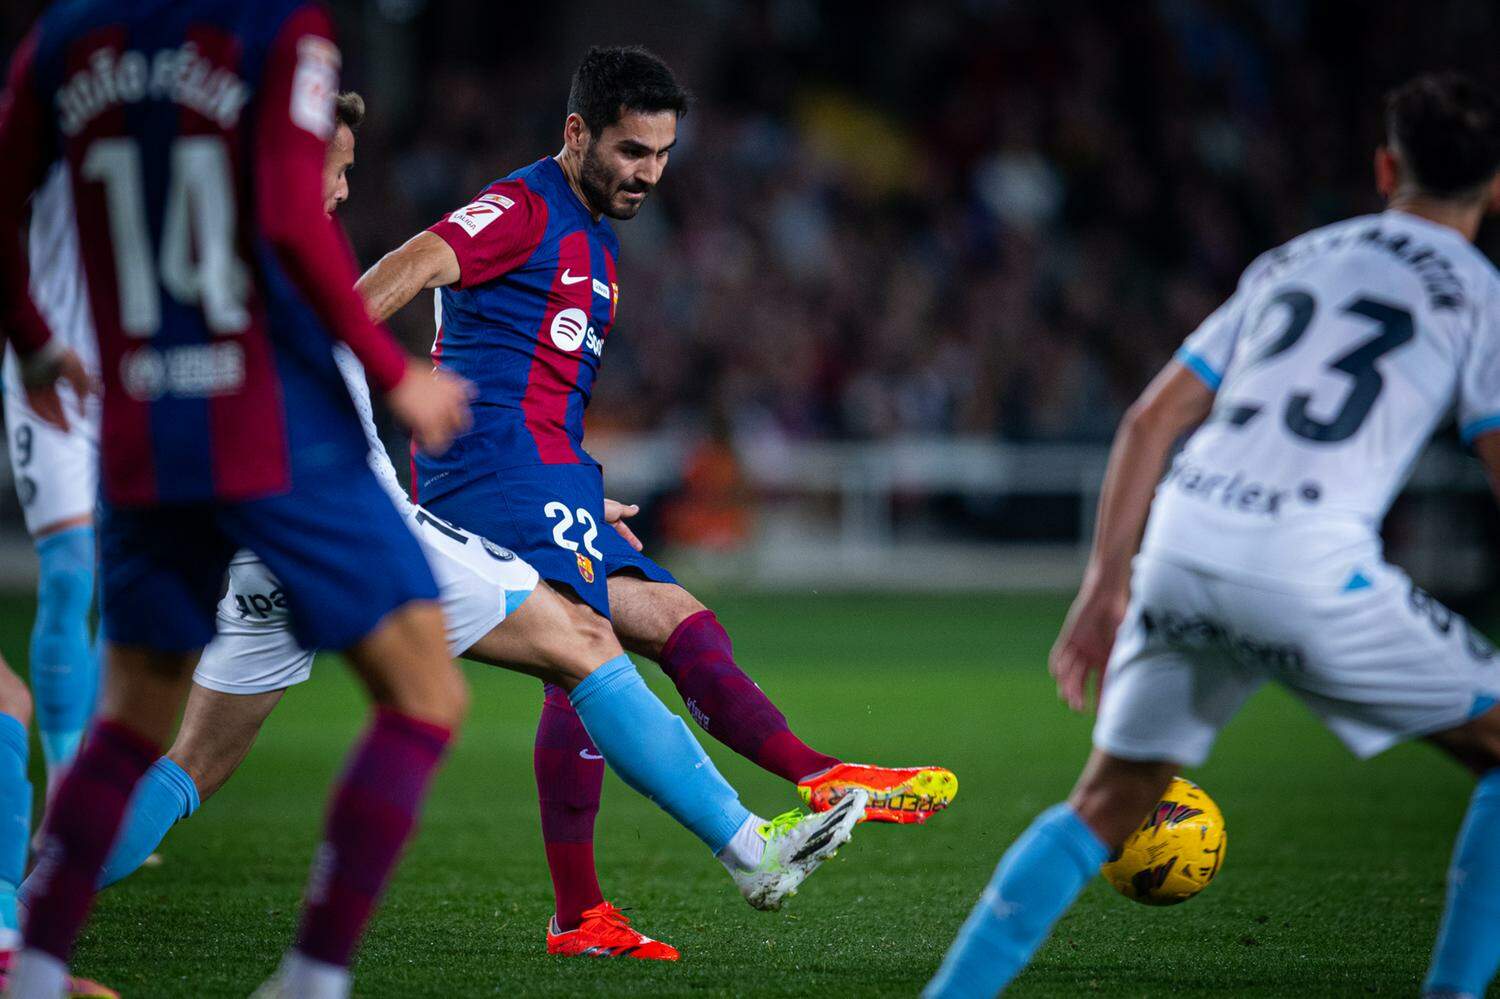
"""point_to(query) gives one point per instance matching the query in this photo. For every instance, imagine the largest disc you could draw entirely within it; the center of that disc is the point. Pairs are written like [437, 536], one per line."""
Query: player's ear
[576, 133]
[1387, 172]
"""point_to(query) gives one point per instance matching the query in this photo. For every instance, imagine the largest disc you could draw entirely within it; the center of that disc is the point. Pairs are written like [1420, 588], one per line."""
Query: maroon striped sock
[374, 811]
[699, 659]
[81, 825]
[569, 779]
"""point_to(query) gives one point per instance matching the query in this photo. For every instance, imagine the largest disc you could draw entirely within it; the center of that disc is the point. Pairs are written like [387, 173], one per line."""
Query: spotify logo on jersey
[569, 327]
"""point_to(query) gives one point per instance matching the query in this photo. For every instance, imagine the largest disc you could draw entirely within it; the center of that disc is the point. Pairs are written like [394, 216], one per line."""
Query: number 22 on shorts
[565, 520]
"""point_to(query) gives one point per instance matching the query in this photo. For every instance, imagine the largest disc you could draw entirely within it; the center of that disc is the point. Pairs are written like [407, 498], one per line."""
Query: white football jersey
[1333, 363]
[57, 282]
[359, 391]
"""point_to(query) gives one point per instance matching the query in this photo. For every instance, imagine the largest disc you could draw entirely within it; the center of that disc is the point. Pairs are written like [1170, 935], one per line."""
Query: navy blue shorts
[553, 517]
[343, 554]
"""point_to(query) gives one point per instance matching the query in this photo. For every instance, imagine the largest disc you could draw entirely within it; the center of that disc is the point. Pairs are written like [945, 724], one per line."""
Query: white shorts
[1378, 663]
[479, 584]
[56, 472]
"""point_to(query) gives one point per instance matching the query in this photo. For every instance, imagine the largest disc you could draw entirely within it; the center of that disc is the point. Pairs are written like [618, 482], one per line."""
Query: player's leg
[1387, 662]
[143, 691]
[15, 825]
[64, 664]
[239, 679]
[1043, 872]
[518, 513]
[564, 642]
[1162, 708]
[162, 572]
[355, 579]
[651, 749]
[216, 733]
[661, 620]
[561, 642]
[420, 698]
[56, 482]
[668, 625]
[15, 801]
[543, 515]
[1466, 957]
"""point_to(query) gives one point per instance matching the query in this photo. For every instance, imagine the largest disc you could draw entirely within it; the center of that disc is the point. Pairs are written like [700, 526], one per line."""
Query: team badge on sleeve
[314, 85]
[473, 217]
[496, 552]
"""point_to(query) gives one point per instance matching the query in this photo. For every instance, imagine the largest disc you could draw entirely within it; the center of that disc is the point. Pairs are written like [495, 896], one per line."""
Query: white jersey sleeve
[359, 391]
[1210, 348]
[1478, 409]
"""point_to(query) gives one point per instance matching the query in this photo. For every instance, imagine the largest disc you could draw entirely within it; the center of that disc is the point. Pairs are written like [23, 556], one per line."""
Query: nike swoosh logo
[568, 278]
[588, 755]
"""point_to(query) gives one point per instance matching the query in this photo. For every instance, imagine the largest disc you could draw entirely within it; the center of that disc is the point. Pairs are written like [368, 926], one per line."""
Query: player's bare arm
[1176, 401]
[422, 262]
[433, 404]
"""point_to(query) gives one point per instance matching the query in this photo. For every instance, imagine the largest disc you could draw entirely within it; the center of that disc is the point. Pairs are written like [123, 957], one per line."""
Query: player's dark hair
[1446, 129]
[349, 109]
[611, 81]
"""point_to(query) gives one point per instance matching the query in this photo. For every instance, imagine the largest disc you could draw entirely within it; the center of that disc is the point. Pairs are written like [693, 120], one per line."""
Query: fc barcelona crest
[585, 567]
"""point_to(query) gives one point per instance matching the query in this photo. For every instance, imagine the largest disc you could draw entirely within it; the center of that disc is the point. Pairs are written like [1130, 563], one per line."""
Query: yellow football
[1175, 853]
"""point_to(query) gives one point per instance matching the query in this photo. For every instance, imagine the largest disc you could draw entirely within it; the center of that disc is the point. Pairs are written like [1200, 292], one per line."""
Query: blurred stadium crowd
[958, 218]
[986, 218]
[979, 219]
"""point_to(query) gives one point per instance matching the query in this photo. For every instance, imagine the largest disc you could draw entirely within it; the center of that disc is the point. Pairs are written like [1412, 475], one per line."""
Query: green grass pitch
[1332, 885]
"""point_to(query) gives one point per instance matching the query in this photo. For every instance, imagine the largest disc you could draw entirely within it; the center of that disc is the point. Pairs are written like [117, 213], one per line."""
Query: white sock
[306, 978]
[10, 940]
[35, 973]
[745, 848]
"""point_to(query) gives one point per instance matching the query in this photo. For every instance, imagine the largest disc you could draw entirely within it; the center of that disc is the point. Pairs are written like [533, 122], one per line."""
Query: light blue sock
[653, 751]
[1037, 880]
[15, 822]
[64, 666]
[1468, 944]
[163, 797]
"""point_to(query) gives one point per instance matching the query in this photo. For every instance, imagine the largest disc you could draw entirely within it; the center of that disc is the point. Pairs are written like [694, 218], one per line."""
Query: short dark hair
[349, 109]
[613, 80]
[1446, 129]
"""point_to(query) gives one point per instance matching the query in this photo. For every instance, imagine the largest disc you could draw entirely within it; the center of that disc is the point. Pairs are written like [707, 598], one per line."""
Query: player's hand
[432, 404]
[1082, 649]
[615, 514]
[41, 387]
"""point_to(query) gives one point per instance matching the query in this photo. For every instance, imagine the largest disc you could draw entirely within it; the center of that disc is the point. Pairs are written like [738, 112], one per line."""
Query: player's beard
[600, 187]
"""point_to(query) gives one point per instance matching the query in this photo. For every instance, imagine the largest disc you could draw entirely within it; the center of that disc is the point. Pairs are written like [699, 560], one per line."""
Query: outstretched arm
[481, 241]
[1175, 401]
[424, 261]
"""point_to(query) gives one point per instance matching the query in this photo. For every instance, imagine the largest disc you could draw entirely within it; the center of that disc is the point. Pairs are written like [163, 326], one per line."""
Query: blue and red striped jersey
[526, 322]
[194, 132]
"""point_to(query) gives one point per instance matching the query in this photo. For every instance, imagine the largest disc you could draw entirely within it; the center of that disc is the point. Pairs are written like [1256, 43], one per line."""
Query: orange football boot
[605, 932]
[903, 795]
[78, 988]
